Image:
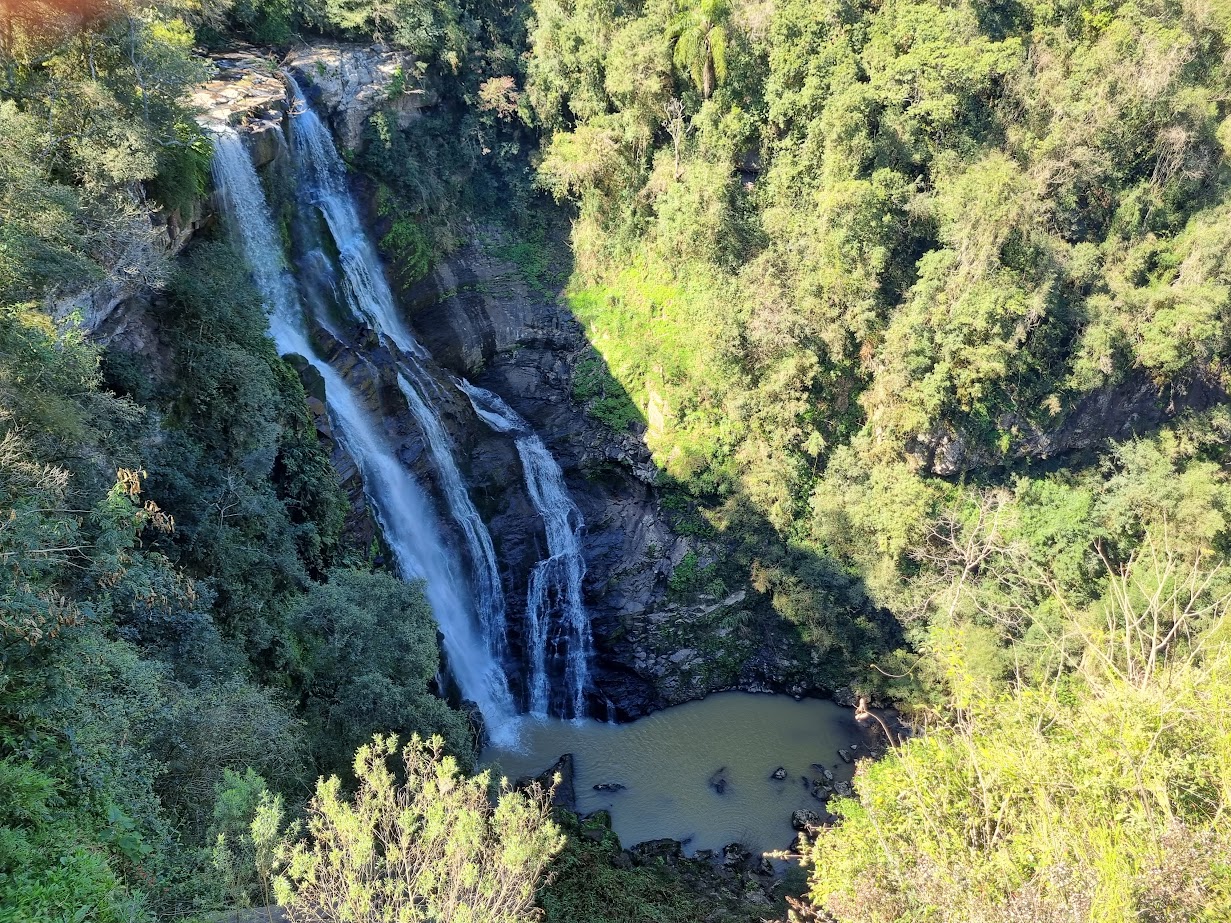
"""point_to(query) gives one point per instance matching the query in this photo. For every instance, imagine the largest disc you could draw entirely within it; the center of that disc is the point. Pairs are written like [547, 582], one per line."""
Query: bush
[1099, 794]
[430, 846]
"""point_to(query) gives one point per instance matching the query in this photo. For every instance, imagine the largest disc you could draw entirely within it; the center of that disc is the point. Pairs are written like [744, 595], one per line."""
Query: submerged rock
[610, 787]
[718, 781]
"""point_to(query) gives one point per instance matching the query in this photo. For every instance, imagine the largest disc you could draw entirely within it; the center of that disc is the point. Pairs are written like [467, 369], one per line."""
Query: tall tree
[701, 43]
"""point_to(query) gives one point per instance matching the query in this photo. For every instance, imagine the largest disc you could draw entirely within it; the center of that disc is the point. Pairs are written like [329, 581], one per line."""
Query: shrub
[431, 846]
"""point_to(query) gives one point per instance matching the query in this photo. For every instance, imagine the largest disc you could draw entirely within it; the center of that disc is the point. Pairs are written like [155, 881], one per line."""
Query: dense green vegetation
[922, 308]
[861, 267]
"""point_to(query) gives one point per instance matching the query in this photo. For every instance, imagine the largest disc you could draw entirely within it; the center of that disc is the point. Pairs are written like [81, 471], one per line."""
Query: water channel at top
[668, 760]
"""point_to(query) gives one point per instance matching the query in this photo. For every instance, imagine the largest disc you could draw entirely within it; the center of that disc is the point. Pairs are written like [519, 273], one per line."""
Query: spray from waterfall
[403, 510]
[555, 615]
[323, 178]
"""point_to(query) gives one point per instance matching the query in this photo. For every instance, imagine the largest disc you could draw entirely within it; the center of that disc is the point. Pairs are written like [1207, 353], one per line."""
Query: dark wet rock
[651, 851]
[765, 867]
[610, 787]
[846, 757]
[563, 792]
[821, 791]
[779, 774]
[843, 789]
[804, 820]
[734, 854]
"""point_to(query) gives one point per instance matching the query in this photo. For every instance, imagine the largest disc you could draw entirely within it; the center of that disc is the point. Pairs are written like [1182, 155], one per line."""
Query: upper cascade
[368, 297]
[336, 266]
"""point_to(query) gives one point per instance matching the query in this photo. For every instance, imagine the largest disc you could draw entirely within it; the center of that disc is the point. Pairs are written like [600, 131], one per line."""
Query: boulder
[651, 851]
[779, 774]
[564, 793]
[610, 787]
[804, 820]
[821, 790]
[734, 854]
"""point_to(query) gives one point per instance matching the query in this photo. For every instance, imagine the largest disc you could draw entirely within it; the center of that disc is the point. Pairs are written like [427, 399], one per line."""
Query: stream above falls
[669, 764]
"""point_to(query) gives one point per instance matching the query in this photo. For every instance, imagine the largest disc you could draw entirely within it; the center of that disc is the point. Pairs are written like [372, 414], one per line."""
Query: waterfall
[323, 178]
[555, 582]
[489, 595]
[403, 510]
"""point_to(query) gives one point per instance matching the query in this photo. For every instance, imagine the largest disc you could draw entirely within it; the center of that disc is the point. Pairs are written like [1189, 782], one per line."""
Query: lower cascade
[402, 508]
[554, 611]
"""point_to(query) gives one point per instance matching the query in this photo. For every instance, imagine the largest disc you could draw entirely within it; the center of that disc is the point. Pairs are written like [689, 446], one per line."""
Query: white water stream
[404, 512]
[555, 613]
[323, 180]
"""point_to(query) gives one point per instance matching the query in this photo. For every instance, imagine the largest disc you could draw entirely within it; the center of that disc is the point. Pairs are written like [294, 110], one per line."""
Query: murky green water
[667, 761]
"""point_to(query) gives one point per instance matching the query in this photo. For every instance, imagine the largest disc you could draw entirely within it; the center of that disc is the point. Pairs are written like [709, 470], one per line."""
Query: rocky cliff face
[247, 91]
[1114, 412]
[481, 319]
[351, 81]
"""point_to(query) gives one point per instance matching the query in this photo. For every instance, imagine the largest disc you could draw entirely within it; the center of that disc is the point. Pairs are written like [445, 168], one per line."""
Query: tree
[1097, 791]
[367, 652]
[433, 848]
[701, 43]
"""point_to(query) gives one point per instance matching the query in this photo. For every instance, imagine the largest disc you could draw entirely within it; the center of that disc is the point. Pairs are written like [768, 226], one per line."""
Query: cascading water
[323, 177]
[555, 582]
[489, 595]
[404, 512]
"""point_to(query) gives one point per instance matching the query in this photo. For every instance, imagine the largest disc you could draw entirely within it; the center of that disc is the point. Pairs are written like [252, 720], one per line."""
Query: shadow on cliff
[687, 595]
[738, 605]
